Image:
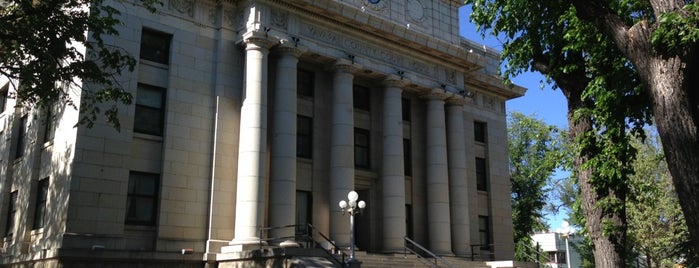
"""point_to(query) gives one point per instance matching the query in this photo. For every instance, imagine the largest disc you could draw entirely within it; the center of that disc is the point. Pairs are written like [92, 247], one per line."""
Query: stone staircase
[372, 260]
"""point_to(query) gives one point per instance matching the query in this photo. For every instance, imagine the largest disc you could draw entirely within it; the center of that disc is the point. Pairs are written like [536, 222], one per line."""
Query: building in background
[559, 248]
[266, 113]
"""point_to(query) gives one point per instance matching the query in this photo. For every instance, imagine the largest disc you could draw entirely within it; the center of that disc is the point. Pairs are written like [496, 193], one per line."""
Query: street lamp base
[353, 263]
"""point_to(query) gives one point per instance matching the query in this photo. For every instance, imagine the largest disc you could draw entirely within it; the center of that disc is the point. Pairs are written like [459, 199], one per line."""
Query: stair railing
[309, 234]
[304, 235]
[410, 246]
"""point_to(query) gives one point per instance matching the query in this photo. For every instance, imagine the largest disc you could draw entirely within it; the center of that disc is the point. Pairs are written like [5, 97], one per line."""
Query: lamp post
[352, 207]
[566, 230]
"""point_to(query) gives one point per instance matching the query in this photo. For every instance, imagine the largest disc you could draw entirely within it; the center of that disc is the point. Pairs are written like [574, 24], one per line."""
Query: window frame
[480, 131]
[305, 83]
[361, 98]
[11, 214]
[21, 136]
[481, 174]
[362, 149]
[148, 47]
[42, 190]
[141, 108]
[484, 232]
[136, 177]
[407, 157]
[304, 137]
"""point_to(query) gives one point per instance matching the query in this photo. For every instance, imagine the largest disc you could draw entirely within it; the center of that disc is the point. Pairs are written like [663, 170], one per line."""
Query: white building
[556, 247]
[266, 113]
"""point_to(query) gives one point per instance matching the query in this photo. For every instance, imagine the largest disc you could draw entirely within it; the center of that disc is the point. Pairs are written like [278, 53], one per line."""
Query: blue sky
[540, 101]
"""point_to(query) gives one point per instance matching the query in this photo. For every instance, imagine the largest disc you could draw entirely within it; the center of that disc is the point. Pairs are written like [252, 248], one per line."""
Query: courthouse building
[266, 113]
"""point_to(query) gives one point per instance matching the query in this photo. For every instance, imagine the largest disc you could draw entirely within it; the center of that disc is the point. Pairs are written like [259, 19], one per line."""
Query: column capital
[257, 40]
[346, 66]
[289, 48]
[458, 100]
[395, 81]
[437, 94]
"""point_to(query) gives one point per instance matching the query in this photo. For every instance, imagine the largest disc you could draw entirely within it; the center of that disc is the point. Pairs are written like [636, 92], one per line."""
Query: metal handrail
[307, 235]
[436, 258]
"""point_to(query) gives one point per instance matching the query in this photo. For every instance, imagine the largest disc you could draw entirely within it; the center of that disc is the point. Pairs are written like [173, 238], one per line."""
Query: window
[142, 199]
[481, 174]
[42, 191]
[480, 131]
[155, 46]
[407, 157]
[21, 137]
[150, 110]
[484, 232]
[11, 211]
[305, 83]
[304, 137]
[361, 98]
[4, 91]
[361, 148]
[49, 123]
[561, 257]
[405, 106]
[304, 210]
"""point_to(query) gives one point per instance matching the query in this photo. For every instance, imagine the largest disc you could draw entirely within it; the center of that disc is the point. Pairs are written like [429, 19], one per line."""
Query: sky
[540, 101]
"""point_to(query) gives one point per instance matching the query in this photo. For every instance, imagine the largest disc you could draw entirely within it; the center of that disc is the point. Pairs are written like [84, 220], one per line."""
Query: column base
[238, 245]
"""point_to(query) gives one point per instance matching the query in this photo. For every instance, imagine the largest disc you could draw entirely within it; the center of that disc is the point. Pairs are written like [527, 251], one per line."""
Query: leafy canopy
[51, 47]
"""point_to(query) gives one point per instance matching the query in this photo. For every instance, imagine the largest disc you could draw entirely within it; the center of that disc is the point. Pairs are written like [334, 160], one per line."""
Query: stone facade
[400, 108]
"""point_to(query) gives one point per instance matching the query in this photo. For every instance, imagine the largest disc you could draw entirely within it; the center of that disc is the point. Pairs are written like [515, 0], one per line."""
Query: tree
[45, 51]
[660, 39]
[535, 151]
[604, 102]
[656, 224]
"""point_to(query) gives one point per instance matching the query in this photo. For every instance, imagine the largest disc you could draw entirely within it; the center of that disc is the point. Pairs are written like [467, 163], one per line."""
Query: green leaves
[677, 29]
[535, 151]
[45, 47]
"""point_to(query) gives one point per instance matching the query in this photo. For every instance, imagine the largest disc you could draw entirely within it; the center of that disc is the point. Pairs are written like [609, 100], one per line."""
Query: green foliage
[605, 98]
[535, 151]
[677, 29]
[657, 229]
[45, 47]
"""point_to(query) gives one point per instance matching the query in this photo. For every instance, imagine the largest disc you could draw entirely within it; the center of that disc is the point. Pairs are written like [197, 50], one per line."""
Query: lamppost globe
[352, 196]
[361, 204]
[343, 204]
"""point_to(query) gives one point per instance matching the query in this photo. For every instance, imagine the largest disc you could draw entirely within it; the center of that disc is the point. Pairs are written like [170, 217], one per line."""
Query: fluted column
[458, 187]
[282, 181]
[393, 173]
[341, 149]
[249, 211]
[438, 218]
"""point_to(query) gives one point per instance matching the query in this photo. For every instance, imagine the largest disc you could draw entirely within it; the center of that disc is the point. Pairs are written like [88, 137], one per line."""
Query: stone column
[282, 181]
[393, 173]
[341, 149]
[438, 218]
[458, 187]
[250, 207]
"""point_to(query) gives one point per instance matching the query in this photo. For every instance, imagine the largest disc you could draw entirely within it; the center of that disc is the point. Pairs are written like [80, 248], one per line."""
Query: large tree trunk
[671, 78]
[672, 84]
[608, 250]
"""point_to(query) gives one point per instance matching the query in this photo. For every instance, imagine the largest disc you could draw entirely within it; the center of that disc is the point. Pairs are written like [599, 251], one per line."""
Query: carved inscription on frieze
[361, 48]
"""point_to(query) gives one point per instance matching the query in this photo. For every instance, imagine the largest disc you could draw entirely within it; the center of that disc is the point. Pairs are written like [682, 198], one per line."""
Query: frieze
[182, 6]
[280, 18]
[359, 47]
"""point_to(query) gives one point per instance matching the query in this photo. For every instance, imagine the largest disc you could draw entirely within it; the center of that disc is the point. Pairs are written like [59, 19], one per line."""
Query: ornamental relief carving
[415, 10]
[280, 18]
[182, 6]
